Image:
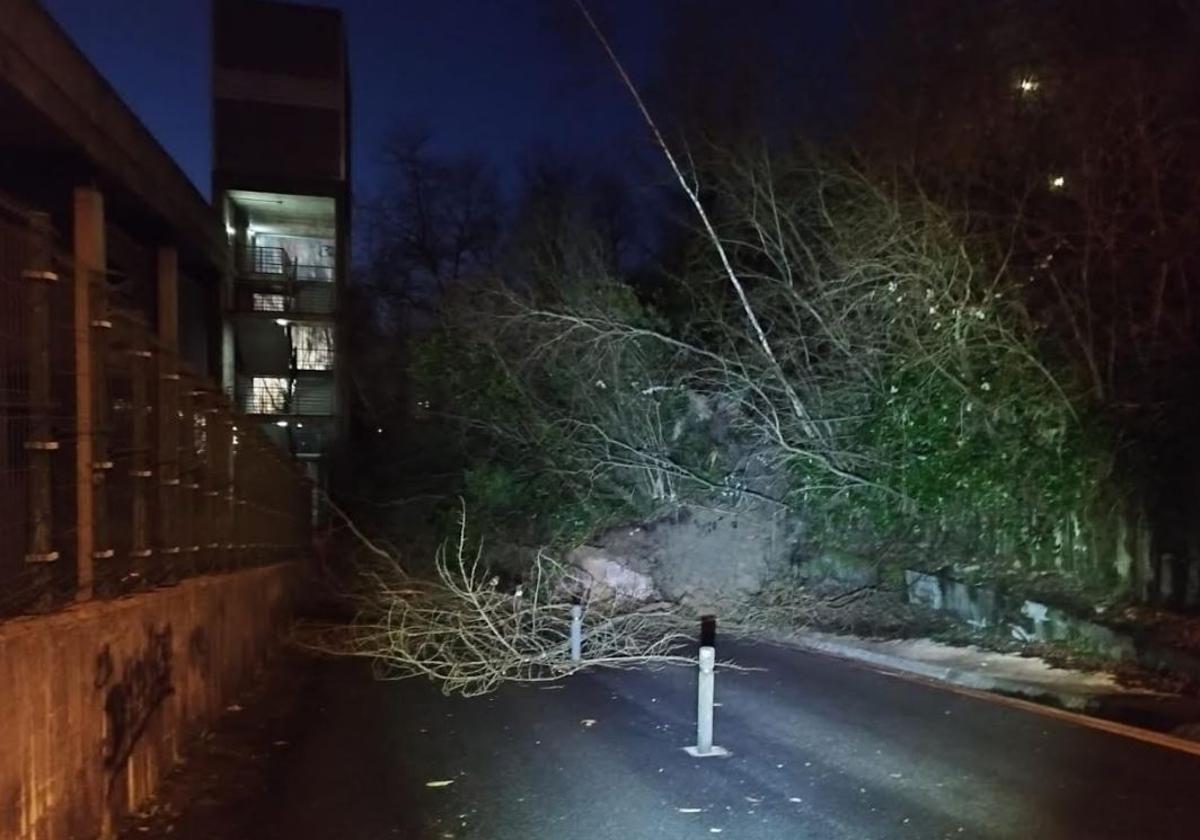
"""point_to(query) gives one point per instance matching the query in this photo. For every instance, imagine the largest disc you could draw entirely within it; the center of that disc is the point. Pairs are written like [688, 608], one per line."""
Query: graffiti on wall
[133, 693]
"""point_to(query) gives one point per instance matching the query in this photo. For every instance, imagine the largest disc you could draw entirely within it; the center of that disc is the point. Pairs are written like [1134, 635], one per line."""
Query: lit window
[200, 434]
[1057, 182]
[321, 273]
[1028, 85]
[268, 395]
[313, 346]
[268, 303]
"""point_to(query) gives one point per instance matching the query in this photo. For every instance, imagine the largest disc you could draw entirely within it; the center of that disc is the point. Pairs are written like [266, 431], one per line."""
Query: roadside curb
[1078, 701]
[1088, 708]
[1015, 693]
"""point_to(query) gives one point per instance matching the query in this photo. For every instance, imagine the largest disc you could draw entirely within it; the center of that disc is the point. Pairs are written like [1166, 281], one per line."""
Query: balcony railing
[259, 261]
[270, 281]
[295, 297]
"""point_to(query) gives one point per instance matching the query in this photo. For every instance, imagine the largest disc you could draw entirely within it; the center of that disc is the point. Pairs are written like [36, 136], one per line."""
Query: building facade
[281, 184]
[152, 305]
[131, 487]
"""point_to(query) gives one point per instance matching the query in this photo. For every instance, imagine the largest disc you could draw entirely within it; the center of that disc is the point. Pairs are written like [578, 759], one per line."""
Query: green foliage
[1004, 465]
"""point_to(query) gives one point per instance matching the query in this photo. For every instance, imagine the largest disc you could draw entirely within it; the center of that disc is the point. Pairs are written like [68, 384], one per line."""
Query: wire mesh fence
[177, 483]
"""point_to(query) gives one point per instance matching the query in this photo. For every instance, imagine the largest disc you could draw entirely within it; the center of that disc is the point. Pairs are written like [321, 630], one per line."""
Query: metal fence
[178, 483]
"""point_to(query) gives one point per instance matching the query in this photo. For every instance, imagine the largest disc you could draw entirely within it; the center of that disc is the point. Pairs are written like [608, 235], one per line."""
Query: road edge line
[944, 678]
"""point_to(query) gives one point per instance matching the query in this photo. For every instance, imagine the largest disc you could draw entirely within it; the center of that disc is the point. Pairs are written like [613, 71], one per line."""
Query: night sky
[499, 78]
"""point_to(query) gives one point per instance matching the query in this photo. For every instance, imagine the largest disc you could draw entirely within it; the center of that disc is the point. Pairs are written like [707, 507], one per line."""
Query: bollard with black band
[705, 688]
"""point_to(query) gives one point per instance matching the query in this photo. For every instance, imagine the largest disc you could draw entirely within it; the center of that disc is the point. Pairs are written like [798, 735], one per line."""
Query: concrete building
[281, 183]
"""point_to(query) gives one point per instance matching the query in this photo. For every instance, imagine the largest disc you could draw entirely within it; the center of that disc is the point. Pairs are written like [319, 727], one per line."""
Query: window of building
[268, 302]
[268, 395]
[315, 273]
[313, 346]
[200, 435]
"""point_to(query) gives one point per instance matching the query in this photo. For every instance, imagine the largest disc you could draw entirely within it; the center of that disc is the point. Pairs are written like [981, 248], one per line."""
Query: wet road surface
[821, 748]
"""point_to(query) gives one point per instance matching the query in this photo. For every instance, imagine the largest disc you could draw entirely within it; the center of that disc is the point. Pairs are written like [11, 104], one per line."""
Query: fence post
[196, 439]
[101, 427]
[222, 450]
[140, 471]
[237, 480]
[167, 432]
[41, 443]
[90, 263]
[211, 483]
[185, 456]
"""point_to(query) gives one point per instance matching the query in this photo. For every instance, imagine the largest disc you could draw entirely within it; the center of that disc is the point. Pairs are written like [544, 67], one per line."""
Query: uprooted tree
[891, 381]
[463, 629]
[889, 390]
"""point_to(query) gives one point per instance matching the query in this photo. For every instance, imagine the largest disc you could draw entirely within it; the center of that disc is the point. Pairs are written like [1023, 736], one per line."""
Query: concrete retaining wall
[96, 701]
[1029, 621]
[981, 606]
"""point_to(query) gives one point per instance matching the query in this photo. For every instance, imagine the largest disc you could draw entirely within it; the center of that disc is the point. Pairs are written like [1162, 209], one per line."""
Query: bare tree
[433, 223]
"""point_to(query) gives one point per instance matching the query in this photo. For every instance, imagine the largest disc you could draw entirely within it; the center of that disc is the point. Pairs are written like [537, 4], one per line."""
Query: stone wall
[97, 701]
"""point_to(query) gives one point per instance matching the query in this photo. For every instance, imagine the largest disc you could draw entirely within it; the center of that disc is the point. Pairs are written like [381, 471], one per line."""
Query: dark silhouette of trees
[1070, 132]
[433, 223]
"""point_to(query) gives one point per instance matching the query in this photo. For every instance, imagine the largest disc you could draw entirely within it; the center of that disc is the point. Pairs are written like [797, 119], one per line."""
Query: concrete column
[228, 372]
[168, 299]
[90, 266]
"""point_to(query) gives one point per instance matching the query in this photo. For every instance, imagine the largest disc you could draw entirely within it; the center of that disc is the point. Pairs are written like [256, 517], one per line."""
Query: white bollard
[704, 708]
[704, 701]
[576, 633]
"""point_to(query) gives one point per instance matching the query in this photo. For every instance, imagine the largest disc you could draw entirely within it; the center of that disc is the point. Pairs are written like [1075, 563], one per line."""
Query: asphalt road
[821, 748]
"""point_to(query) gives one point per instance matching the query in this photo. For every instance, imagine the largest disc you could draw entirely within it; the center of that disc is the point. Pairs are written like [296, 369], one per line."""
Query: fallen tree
[469, 632]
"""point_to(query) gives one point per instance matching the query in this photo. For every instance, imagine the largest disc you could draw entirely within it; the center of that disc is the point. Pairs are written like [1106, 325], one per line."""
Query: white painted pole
[704, 747]
[576, 633]
[704, 702]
